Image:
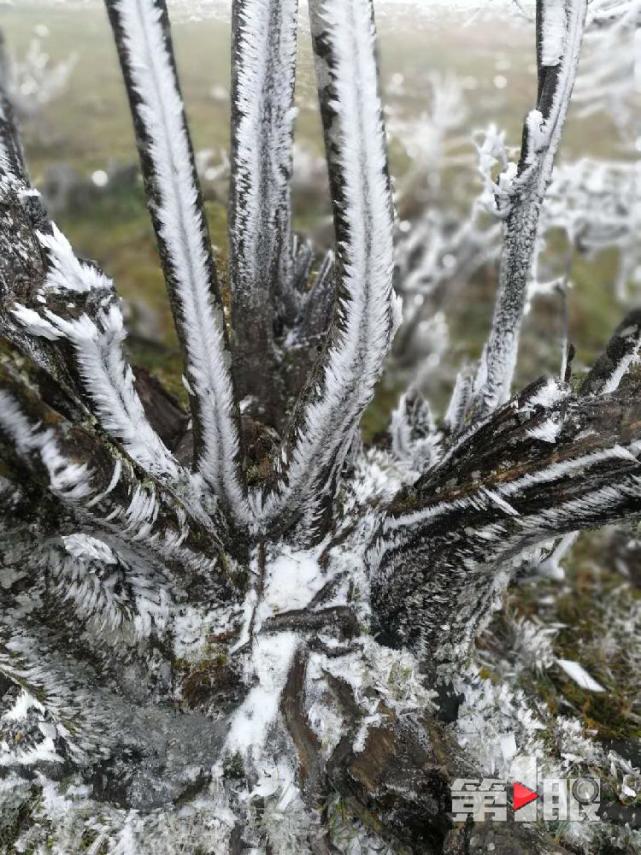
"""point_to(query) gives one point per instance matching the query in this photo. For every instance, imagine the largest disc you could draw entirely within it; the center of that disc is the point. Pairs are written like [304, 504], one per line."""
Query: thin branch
[340, 618]
[95, 330]
[86, 716]
[141, 30]
[307, 744]
[415, 437]
[560, 26]
[71, 302]
[621, 355]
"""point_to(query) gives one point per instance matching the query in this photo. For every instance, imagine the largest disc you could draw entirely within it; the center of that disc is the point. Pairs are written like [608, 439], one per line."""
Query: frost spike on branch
[342, 385]
[64, 687]
[96, 583]
[264, 38]
[22, 273]
[560, 26]
[622, 354]
[606, 82]
[413, 432]
[445, 549]
[141, 31]
[28, 511]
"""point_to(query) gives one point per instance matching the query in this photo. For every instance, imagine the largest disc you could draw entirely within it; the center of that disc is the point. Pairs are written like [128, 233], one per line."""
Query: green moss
[203, 680]
[582, 607]
[234, 767]
[376, 417]
[608, 714]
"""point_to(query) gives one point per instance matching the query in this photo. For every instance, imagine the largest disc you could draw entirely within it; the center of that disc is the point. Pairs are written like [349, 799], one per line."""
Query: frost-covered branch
[326, 421]
[34, 81]
[621, 356]
[70, 306]
[433, 141]
[414, 434]
[435, 259]
[97, 485]
[263, 75]
[174, 677]
[609, 81]
[546, 464]
[77, 305]
[23, 268]
[80, 722]
[141, 30]
[521, 190]
[28, 513]
[439, 250]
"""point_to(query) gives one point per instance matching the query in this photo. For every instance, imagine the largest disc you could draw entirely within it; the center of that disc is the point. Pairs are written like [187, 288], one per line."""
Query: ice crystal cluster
[240, 629]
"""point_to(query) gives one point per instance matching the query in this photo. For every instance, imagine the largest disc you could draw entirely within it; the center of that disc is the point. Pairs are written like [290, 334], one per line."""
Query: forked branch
[65, 315]
[90, 480]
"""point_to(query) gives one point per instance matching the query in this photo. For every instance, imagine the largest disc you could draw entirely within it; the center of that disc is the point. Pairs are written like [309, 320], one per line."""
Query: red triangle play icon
[522, 795]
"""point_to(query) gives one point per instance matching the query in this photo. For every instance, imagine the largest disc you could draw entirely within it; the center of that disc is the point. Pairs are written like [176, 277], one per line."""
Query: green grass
[583, 606]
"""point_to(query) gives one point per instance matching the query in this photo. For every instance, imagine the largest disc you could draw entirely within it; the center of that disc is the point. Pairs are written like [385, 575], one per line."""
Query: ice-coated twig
[76, 304]
[437, 256]
[34, 81]
[96, 583]
[608, 81]
[597, 203]
[560, 25]
[327, 418]
[141, 31]
[263, 77]
[316, 309]
[79, 719]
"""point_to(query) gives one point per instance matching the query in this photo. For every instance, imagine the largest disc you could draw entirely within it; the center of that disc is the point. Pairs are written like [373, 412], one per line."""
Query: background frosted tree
[33, 81]
[240, 628]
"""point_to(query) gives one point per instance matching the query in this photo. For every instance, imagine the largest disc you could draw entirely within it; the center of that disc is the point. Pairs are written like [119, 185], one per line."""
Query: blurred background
[458, 79]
